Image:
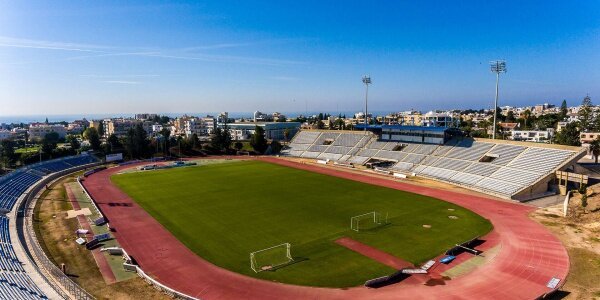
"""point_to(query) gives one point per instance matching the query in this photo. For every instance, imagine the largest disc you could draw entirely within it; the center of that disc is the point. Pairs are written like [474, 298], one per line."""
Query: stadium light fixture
[366, 80]
[497, 66]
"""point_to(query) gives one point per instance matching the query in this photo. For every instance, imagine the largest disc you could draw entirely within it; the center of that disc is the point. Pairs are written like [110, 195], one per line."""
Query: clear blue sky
[70, 57]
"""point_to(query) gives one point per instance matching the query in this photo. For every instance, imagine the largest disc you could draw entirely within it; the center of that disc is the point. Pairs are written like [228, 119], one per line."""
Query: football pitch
[223, 212]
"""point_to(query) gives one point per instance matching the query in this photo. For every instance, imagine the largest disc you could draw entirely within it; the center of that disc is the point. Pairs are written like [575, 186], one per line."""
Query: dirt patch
[73, 213]
[579, 232]
[58, 241]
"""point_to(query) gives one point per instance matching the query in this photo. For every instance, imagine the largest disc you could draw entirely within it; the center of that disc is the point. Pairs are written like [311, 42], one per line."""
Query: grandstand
[15, 283]
[519, 171]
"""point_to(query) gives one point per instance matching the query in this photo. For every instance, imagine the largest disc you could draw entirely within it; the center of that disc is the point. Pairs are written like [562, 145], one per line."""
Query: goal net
[365, 221]
[272, 257]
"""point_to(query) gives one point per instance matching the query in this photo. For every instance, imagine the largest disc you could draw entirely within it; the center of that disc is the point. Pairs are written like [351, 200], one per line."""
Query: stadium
[388, 213]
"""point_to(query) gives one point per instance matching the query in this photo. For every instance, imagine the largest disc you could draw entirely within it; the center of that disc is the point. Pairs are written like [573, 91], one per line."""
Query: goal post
[366, 221]
[270, 258]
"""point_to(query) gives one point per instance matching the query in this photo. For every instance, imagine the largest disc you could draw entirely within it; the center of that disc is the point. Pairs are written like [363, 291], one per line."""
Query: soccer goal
[272, 257]
[366, 221]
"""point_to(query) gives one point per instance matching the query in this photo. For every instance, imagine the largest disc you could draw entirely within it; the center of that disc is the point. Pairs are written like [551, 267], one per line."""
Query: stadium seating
[495, 167]
[14, 282]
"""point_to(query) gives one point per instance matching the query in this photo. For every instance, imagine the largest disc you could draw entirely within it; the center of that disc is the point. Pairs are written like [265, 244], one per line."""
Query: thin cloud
[48, 45]
[229, 59]
[200, 57]
[216, 46]
[120, 76]
[185, 53]
[121, 82]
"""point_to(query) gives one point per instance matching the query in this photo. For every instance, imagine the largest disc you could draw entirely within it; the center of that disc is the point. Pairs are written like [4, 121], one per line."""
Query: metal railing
[153, 282]
[59, 281]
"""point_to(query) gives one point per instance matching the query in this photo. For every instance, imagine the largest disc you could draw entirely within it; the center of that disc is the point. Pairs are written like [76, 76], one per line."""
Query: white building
[538, 136]
[145, 116]
[273, 130]
[5, 134]
[38, 131]
[261, 117]
[223, 118]
[156, 128]
[74, 128]
[435, 119]
[120, 127]
[199, 126]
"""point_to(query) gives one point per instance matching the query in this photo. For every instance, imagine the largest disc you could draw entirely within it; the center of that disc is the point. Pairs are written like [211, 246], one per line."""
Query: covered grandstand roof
[402, 127]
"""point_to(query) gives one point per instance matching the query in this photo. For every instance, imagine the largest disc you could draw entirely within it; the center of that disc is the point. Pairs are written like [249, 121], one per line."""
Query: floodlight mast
[366, 80]
[497, 66]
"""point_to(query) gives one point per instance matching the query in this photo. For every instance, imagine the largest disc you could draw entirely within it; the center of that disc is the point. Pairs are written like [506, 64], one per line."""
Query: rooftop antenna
[497, 66]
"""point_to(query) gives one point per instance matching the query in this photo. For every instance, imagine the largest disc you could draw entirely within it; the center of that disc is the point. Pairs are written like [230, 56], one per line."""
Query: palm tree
[595, 149]
[526, 116]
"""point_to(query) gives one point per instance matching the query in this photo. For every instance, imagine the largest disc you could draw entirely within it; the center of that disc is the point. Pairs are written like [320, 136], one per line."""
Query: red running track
[373, 253]
[529, 257]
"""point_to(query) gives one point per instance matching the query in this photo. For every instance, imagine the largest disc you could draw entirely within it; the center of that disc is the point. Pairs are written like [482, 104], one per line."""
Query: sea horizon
[54, 118]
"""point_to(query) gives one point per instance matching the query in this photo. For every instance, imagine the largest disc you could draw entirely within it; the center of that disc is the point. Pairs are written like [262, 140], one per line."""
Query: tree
[286, 134]
[73, 141]
[215, 141]
[164, 120]
[112, 144]
[166, 134]
[130, 143]
[193, 141]
[320, 124]
[526, 116]
[221, 139]
[563, 110]
[101, 128]
[91, 134]
[238, 146]
[276, 147]
[141, 141]
[226, 137]
[137, 143]
[258, 141]
[547, 121]
[569, 135]
[595, 149]
[510, 117]
[49, 142]
[7, 152]
[586, 117]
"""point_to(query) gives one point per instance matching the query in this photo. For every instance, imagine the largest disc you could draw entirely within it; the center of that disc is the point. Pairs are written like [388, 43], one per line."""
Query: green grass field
[223, 212]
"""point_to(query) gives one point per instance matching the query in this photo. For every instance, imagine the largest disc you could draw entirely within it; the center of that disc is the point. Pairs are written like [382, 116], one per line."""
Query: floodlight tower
[497, 66]
[366, 80]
